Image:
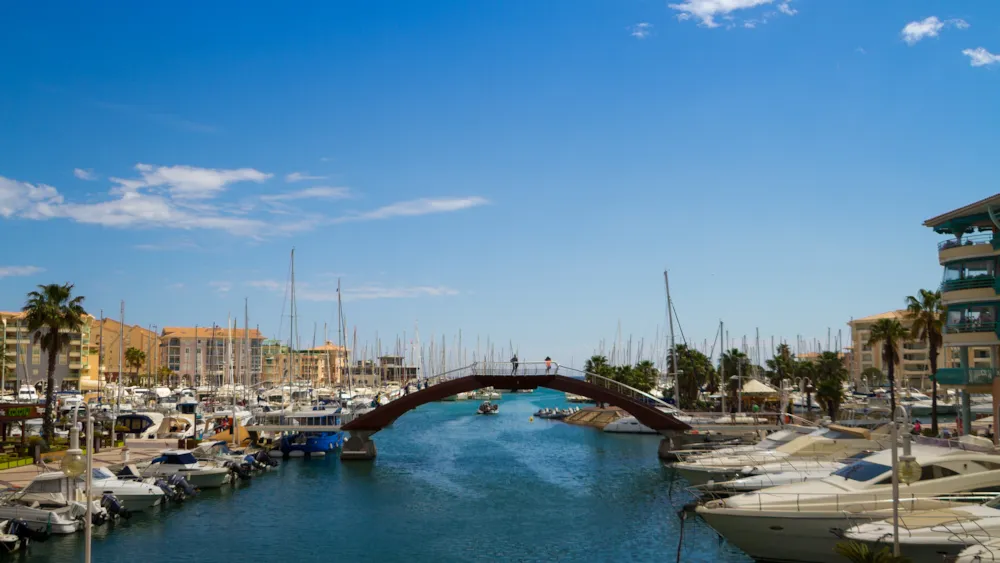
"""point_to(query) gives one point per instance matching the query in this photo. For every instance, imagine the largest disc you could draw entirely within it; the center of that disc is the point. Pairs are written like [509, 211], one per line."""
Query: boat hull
[313, 443]
[792, 538]
[39, 520]
[207, 478]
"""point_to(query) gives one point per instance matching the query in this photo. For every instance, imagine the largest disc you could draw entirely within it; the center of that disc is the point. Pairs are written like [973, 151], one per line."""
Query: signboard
[13, 413]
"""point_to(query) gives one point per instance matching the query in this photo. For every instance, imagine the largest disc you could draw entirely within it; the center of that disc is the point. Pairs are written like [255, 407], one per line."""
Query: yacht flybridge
[800, 522]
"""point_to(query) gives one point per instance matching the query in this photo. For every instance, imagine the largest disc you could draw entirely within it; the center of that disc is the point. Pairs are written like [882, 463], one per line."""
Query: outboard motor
[114, 506]
[171, 493]
[239, 470]
[263, 457]
[181, 484]
[20, 529]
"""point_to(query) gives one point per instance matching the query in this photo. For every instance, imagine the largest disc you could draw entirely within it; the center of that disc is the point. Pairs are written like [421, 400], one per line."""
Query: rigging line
[678, 319]
[718, 333]
[281, 321]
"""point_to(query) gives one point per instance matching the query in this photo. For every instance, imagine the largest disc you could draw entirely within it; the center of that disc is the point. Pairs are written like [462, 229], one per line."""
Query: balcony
[978, 282]
[966, 376]
[979, 244]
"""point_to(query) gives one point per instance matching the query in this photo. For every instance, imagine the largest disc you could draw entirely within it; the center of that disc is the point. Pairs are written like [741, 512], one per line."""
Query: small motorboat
[487, 407]
[552, 414]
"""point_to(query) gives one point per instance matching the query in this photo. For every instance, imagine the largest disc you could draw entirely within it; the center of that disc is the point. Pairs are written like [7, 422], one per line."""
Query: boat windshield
[775, 439]
[179, 459]
[101, 473]
[862, 471]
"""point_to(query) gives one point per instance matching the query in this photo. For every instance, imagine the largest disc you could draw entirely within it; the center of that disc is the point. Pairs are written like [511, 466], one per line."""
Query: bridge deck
[529, 375]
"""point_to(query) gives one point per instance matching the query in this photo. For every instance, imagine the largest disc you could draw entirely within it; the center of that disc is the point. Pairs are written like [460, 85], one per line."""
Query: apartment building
[25, 362]
[108, 342]
[198, 355]
[914, 367]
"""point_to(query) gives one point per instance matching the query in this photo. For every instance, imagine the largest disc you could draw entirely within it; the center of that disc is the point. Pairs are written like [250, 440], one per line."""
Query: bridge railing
[544, 369]
[620, 388]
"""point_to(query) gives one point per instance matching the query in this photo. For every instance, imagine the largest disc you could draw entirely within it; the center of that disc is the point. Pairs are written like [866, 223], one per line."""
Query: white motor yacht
[773, 474]
[770, 442]
[183, 463]
[49, 503]
[801, 522]
[832, 443]
[134, 495]
[27, 394]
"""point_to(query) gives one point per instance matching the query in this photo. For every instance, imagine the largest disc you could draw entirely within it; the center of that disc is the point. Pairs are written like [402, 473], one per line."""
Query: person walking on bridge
[548, 365]
[513, 363]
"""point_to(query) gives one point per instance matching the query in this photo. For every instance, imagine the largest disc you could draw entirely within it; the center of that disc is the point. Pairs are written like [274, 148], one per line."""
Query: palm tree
[54, 309]
[732, 362]
[134, 358]
[831, 372]
[928, 319]
[890, 334]
[857, 552]
[596, 364]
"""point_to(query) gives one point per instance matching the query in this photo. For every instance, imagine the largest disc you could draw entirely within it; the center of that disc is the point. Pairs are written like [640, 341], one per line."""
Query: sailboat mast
[673, 349]
[121, 361]
[291, 333]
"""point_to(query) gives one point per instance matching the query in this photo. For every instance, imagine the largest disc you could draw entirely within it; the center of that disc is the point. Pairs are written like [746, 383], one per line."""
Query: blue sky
[515, 169]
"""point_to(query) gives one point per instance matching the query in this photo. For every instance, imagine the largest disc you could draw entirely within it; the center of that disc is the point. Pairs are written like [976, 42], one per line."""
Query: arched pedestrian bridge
[528, 375]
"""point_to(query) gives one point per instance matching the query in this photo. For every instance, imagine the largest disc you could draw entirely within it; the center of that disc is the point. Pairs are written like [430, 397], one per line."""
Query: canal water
[447, 485]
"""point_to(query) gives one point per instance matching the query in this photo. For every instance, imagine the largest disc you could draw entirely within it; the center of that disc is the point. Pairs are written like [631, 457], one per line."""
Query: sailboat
[313, 442]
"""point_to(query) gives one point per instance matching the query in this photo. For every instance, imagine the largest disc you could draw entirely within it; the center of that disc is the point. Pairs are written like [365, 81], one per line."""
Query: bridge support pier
[670, 442]
[358, 446]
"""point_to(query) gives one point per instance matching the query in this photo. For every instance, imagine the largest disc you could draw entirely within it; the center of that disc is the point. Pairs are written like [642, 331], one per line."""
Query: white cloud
[978, 57]
[327, 292]
[916, 31]
[861, 51]
[12, 271]
[270, 285]
[368, 292]
[750, 24]
[786, 9]
[416, 207]
[299, 176]
[82, 174]
[317, 192]
[177, 285]
[641, 30]
[188, 182]
[27, 200]
[708, 10]
[221, 286]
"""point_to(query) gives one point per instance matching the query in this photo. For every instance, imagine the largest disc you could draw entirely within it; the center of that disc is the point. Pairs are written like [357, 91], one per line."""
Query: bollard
[36, 453]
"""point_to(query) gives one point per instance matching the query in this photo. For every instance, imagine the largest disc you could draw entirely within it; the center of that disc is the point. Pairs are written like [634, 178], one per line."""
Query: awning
[755, 387]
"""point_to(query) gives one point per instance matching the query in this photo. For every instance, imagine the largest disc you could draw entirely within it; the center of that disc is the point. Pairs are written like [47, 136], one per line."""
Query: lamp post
[904, 468]
[3, 358]
[74, 465]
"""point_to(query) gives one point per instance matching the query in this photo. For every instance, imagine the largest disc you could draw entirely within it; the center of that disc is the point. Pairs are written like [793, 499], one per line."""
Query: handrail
[978, 282]
[967, 240]
[879, 500]
[970, 326]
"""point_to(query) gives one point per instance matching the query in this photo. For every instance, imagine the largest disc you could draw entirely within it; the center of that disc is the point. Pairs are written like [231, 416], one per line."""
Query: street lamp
[74, 465]
[904, 468]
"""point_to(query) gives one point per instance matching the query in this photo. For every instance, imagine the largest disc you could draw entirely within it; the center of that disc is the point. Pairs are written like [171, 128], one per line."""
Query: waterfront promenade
[139, 450]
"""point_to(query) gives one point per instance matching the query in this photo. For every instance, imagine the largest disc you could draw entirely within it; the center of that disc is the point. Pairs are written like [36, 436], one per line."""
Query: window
[63, 358]
[36, 355]
[862, 471]
[929, 472]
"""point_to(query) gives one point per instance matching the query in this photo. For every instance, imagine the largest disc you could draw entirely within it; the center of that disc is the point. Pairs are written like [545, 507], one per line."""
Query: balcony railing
[970, 326]
[967, 240]
[966, 376]
[978, 282]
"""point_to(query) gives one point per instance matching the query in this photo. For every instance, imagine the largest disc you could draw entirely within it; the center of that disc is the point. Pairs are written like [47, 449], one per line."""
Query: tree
[52, 314]
[134, 358]
[927, 316]
[831, 373]
[598, 365]
[782, 365]
[732, 363]
[693, 369]
[163, 374]
[889, 333]
[857, 552]
[807, 371]
[644, 375]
